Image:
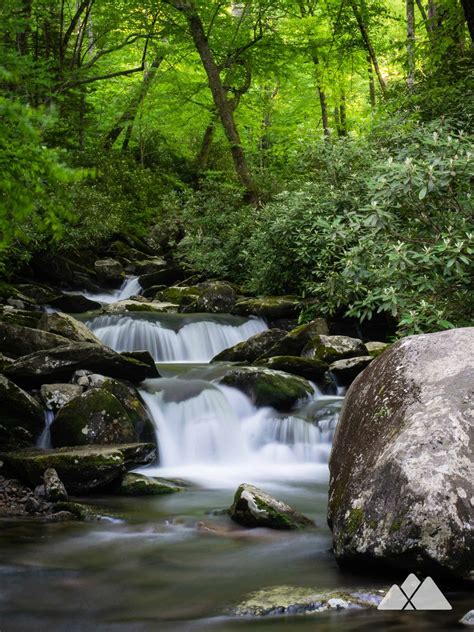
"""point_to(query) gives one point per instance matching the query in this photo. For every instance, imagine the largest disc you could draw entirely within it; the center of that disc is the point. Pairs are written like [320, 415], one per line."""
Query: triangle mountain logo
[415, 595]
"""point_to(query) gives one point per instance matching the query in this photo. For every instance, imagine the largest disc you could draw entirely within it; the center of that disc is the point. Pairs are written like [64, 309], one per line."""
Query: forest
[317, 147]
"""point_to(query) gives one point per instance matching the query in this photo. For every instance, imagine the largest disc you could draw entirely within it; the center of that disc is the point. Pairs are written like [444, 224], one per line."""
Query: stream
[176, 562]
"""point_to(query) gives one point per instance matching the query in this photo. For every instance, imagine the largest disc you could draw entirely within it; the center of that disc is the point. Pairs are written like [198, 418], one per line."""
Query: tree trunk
[343, 115]
[206, 144]
[223, 107]
[468, 8]
[322, 95]
[128, 117]
[372, 96]
[368, 44]
[410, 9]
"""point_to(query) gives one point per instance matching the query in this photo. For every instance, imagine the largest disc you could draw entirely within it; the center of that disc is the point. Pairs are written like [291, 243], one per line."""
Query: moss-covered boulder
[140, 485]
[55, 396]
[269, 388]
[53, 487]
[253, 507]
[252, 348]
[168, 276]
[17, 341]
[293, 343]
[269, 307]
[147, 265]
[68, 327]
[312, 370]
[401, 466]
[177, 294]
[109, 272]
[74, 304]
[346, 371]
[293, 600]
[21, 417]
[215, 297]
[82, 469]
[20, 317]
[376, 348]
[94, 418]
[59, 365]
[40, 294]
[130, 305]
[332, 348]
[5, 361]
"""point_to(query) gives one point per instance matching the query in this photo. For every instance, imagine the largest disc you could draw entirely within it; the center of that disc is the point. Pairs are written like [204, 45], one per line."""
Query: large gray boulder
[293, 343]
[68, 327]
[17, 341]
[402, 463]
[332, 348]
[252, 348]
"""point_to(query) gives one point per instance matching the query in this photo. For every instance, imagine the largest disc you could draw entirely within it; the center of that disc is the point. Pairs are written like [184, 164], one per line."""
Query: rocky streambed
[198, 388]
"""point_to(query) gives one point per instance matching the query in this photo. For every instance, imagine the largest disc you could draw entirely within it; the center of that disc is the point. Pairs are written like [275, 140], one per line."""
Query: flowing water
[177, 562]
[130, 287]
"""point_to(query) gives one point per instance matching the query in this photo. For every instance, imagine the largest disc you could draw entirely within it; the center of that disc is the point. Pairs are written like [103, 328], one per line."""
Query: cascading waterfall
[130, 287]
[44, 440]
[175, 338]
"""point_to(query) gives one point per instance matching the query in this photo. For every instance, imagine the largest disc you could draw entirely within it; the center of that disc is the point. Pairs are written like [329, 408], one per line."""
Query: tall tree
[410, 11]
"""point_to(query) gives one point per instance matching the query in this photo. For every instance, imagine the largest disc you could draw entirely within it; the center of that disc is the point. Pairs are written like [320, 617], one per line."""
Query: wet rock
[253, 507]
[148, 266]
[77, 511]
[109, 272]
[18, 341]
[346, 371]
[21, 417]
[270, 307]
[82, 469]
[252, 348]
[154, 292]
[168, 276]
[293, 343]
[55, 396]
[20, 317]
[75, 304]
[376, 348]
[332, 348]
[54, 489]
[68, 327]
[468, 619]
[5, 362]
[93, 418]
[140, 485]
[312, 370]
[291, 600]
[18, 500]
[59, 364]
[178, 293]
[40, 294]
[269, 388]
[215, 297]
[401, 466]
[129, 305]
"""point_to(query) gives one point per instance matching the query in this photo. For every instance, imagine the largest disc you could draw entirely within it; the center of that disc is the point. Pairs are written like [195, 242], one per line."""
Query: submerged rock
[250, 349]
[94, 418]
[21, 417]
[401, 466]
[269, 388]
[332, 348]
[60, 364]
[293, 343]
[270, 307]
[55, 396]
[18, 341]
[291, 600]
[313, 370]
[346, 371]
[253, 507]
[68, 327]
[140, 485]
[81, 469]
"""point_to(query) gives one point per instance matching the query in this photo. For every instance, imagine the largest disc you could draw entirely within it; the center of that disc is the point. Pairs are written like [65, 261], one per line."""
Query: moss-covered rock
[40, 294]
[168, 276]
[93, 418]
[293, 343]
[78, 511]
[68, 327]
[55, 396]
[5, 361]
[332, 348]
[346, 371]
[269, 388]
[313, 370]
[53, 487]
[292, 600]
[250, 349]
[253, 507]
[82, 469]
[177, 294]
[269, 307]
[215, 297]
[18, 341]
[147, 265]
[21, 417]
[376, 348]
[129, 305]
[20, 317]
[59, 364]
[401, 483]
[109, 272]
[140, 485]
[74, 304]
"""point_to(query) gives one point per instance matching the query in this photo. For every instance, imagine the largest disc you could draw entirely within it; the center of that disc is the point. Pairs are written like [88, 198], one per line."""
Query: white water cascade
[130, 287]
[44, 440]
[175, 337]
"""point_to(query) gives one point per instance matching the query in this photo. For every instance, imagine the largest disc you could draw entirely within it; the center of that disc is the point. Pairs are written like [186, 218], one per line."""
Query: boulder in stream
[55, 396]
[332, 348]
[269, 307]
[109, 272]
[21, 417]
[129, 305]
[402, 462]
[252, 507]
[269, 388]
[139, 485]
[68, 327]
[250, 349]
[313, 370]
[346, 371]
[59, 364]
[17, 341]
[214, 297]
[74, 304]
[82, 469]
[294, 341]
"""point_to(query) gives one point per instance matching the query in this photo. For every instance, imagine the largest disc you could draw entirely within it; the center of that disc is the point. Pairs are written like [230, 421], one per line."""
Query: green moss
[354, 521]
